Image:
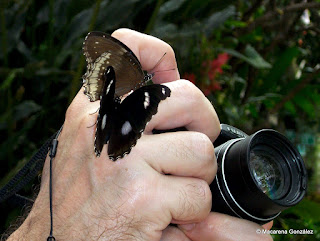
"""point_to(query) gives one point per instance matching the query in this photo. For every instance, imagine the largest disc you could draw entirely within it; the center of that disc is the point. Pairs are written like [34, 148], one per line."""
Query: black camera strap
[52, 154]
[28, 172]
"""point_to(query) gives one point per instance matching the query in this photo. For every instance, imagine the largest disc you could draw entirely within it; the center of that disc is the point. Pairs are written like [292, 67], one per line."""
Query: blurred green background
[257, 61]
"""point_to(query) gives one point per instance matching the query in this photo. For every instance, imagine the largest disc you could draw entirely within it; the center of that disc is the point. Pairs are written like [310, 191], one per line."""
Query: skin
[131, 199]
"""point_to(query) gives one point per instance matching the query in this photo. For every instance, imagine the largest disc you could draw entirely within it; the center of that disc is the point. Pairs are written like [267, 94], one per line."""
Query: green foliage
[269, 80]
[250, 56]
[306, 215]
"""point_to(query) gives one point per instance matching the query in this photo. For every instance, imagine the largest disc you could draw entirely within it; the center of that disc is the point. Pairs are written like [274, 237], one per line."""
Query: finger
[187, 199]
[222, 227]
[183, 153]
[173, 233]
[80, 108]
[149, 50]
[79, 124]
[268, 226]
[188, 107]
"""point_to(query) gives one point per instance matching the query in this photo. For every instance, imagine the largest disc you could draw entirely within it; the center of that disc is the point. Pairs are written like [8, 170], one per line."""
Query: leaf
[217, 19]
[306, 209]
[165, 31]
[15, 19]
[78, 26]
[255, 58]
[251, 56]
[305, 104]
[263, 97]
[279, 68]
[253, 110]
[23, 49]
[170, 6]
[236, 23]
[43, 15]
[16, 139]
[25, 109]
[8, 81]
[290, 107]
[115, 14]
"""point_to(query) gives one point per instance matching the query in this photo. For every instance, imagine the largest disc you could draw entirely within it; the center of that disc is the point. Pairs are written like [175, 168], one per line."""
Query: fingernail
[187, 227]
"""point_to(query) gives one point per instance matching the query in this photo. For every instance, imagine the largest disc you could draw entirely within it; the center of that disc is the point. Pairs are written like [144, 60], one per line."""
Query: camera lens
[258, 176]
[268, 173]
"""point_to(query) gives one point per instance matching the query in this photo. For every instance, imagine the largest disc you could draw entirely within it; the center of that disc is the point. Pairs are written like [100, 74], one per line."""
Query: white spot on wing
[146, 102]
[163, 91]
[126, 128]
[108, 88]
[104, 121]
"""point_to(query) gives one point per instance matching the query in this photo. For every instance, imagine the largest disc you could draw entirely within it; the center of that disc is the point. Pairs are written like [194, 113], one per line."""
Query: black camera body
[258, 175]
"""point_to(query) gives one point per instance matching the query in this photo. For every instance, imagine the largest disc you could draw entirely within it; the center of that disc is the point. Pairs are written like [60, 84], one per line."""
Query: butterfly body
[121, 123]
[102, 50]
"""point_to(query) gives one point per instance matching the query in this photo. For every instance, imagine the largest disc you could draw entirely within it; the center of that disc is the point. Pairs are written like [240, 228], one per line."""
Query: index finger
[149, 50]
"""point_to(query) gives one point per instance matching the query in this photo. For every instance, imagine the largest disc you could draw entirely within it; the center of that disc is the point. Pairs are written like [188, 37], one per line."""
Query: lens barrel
[258, 176]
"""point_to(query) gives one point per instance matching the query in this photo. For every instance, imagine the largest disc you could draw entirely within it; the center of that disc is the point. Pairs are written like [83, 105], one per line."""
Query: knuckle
[70, 112]
[169, 50]
[194, 200]
[217, 128]
[191, 94]
[199, 196]
[203, 146]
[76, 110]
[203, 150]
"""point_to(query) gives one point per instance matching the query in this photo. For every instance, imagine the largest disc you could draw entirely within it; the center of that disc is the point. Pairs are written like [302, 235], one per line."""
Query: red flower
[206, 91]
[214, 67]
[191, 77]
[216, 64]
[214, 86]
[220, 60]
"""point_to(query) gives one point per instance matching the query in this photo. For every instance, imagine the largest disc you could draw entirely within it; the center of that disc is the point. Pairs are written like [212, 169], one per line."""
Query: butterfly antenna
[153, 72]
[158, 62]
[149, 75]
[164, 70]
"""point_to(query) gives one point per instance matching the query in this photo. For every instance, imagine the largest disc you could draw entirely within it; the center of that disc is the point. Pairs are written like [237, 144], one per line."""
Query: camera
[258, 176]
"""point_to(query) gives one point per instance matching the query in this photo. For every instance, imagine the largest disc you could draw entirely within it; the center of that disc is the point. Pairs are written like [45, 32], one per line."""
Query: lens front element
[268, 173]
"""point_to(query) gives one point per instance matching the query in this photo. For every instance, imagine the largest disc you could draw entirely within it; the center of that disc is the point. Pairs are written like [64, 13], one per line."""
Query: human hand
[132, 198]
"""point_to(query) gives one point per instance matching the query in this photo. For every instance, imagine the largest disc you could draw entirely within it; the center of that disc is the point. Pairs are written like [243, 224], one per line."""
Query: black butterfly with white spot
[120, 124]
[102, 50]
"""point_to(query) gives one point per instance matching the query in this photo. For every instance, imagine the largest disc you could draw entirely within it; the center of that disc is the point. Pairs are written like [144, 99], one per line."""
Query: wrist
[34, 227]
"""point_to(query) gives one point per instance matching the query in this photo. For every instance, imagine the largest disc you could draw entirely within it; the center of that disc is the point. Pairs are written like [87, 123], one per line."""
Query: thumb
[221, 227]
[173, 233]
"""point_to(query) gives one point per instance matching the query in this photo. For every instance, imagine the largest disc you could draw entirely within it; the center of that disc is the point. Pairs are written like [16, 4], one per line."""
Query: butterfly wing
[102, 50]
[132, 116]
[106, 111]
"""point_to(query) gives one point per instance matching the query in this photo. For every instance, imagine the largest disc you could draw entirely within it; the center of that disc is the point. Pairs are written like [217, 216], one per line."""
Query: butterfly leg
[92, 125]
[94, 112]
